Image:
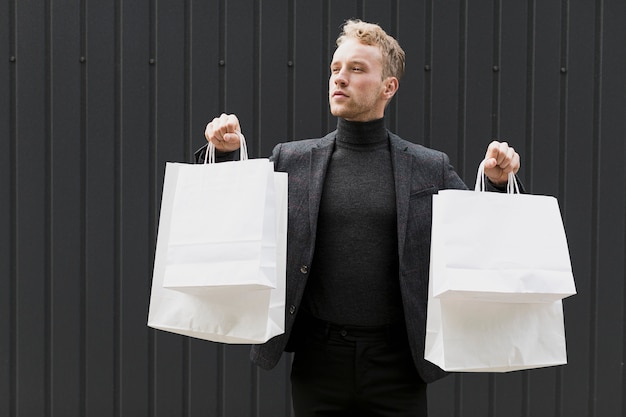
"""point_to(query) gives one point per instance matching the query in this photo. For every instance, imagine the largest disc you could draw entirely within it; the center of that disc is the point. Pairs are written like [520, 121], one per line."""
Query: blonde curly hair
[373, 34]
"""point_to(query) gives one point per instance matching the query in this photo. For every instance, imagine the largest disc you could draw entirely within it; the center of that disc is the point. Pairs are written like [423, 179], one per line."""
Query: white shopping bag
[499, 268]
[478, 336]
[219, 271]
[499, 247]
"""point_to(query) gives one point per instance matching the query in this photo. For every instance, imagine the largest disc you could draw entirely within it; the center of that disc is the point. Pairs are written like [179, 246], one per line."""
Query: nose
[339, 78]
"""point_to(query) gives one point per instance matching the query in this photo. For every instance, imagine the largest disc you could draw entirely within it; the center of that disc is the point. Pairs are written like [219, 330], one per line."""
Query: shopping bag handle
[209, 155]
[512, 187]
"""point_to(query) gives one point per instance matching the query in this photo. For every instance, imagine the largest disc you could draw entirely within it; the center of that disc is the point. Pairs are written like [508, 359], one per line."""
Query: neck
[373, 131]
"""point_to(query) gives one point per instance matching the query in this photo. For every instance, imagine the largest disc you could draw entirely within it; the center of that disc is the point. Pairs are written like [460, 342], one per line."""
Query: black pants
[347, 371]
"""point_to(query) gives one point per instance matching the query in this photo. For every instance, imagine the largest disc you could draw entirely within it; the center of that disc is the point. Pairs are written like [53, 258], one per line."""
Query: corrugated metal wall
[95, 97]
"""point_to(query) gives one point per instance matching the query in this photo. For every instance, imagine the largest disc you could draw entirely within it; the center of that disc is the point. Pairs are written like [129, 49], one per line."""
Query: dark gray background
[95, 97]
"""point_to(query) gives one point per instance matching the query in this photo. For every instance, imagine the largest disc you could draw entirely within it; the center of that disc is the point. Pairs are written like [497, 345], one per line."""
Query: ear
[391, 86]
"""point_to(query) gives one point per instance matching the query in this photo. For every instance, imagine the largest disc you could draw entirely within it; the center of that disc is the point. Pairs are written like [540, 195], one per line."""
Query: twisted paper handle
[209, 155]
[512, 187]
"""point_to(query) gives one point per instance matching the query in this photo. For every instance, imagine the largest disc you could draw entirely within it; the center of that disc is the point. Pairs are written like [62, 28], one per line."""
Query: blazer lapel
[402, 166]
[320, 158]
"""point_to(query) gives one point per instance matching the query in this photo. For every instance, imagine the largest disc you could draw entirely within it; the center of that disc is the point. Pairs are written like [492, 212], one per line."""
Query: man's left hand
[500, 160]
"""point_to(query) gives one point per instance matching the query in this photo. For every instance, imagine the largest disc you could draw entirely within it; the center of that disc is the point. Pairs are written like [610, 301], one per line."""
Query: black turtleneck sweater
[354, 275]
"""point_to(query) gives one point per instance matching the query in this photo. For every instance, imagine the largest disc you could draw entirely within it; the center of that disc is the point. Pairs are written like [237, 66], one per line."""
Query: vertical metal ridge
[153, 134]
[221, 378]
[392, 117]
[497, 45]
[13, 346]
[623, 304]
[188, 152]
[222, 60]
[153, 139]
[325, 64]
[83, 212]
[117, 223]
[623, 380]
[495, 127]
[256, 79]
[525, 394]
[458, 395]
[220, 364]
[530, 89]
[187, 364]
[492, 395]
[186, 375]
[462, 88]
[529, 144]
[562, 145]
[291, 76]
[187, 80]
[256, 117]
[48, 205]
[428, 59]
[563, 103]
[595, 197]
[255, 390]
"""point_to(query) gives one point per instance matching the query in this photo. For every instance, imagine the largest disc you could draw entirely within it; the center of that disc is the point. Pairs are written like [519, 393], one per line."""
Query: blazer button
[304, 269]
[292, 309]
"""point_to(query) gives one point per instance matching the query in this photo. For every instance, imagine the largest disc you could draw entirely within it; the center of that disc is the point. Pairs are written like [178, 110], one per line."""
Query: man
[359, 242]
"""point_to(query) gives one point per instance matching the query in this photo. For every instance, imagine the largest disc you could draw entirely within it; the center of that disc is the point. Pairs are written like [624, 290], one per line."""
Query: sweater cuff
[199, 155]
[490, 186]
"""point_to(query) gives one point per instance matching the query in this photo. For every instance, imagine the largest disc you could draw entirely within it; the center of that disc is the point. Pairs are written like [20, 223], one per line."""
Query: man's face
[356, 90]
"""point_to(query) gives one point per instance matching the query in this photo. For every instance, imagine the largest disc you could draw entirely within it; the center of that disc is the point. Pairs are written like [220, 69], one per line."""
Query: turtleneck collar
[361, 133]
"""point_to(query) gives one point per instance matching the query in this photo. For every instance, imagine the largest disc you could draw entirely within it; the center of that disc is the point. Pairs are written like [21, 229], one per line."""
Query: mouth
[339, 94]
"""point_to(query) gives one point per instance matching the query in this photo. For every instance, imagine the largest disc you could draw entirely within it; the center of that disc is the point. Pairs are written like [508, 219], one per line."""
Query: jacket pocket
[421, 202]
[417, 243]
[424, 192]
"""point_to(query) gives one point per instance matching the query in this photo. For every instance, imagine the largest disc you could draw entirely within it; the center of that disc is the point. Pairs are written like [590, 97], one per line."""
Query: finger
[211, 132]
[232, 137]
[221, 129]
[221, 126]
[493, 150]
[503, 153]
[515, 163]
[490, 163]
[499, 172]
[229, 123]
[506, 157]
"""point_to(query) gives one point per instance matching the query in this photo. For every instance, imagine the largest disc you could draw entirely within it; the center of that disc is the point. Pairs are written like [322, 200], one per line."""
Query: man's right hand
[224, 132]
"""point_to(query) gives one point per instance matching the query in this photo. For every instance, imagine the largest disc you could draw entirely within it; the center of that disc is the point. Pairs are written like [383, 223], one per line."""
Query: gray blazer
[419, 173]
